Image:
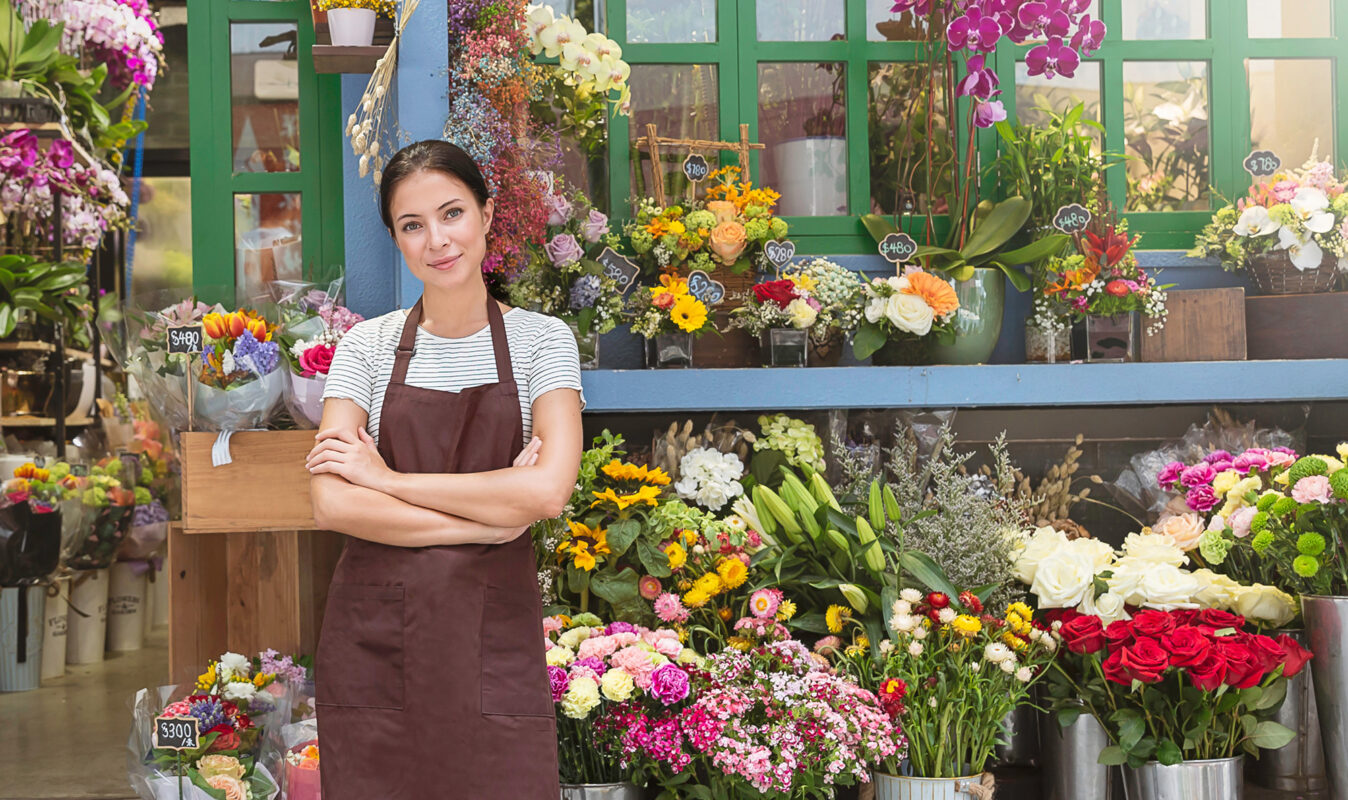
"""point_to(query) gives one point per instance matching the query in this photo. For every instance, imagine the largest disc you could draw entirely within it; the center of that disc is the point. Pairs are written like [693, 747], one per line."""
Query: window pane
[1290, 19]
[1165, 120]
[1035, 96]
[1292, 107]
[1165, 19]
[882, 25]
[652, 21]
[166, 112]
[265, 97]
[266, 242]
[682, 101]
[800, 20]
[802, 119]
[162, 259]
[582, 10]
[900, 150]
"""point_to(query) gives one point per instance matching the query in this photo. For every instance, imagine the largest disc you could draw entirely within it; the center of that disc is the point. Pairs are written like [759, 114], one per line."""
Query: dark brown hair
[433, 155]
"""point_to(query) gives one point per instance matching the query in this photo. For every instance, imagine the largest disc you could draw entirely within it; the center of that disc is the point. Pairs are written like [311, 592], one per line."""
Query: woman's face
[440, 229]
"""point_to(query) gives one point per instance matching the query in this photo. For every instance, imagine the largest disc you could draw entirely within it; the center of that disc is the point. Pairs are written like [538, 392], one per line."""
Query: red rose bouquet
[1174, 686]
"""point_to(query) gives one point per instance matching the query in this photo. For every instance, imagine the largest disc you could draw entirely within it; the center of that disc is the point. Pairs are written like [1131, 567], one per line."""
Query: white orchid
[575, 58]
[1255, 221]
[1312, 208]
[1193, 107]
[612, 73]
[1305, 253]
[601, 45]
[560, 33]
[539, 18]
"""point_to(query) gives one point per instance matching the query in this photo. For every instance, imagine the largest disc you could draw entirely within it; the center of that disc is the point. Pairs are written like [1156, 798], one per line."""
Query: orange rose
[724, 210]
[728, 242]
[232, 787]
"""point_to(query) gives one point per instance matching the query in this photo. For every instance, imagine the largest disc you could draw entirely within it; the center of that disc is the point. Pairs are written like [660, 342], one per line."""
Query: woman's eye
[411, 226]
[453, 212]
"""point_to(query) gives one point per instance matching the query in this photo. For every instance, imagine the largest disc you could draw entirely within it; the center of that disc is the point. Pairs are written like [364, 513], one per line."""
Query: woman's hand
[352, 455]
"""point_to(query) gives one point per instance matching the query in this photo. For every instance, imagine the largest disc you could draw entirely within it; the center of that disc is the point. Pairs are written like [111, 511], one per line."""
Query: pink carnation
[597, 647]
[1241, 520]
[637, 662]
[1278, 458]
[1313, 489]
[552, 625]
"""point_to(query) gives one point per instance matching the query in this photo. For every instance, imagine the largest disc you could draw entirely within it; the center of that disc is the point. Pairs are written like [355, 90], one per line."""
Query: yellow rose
[1183, 529]
[229, 766]
[232, 787]
[724, 210]
[1224, 481]
[728, 242]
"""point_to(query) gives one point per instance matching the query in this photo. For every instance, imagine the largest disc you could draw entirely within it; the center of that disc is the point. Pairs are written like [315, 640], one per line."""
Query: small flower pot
[1210, 779]
[1048, 345]
[1298, 766]
[1113, 339]
[785, 347]
[351, 27]
[905, 353]
[670, 351]
[826, 350]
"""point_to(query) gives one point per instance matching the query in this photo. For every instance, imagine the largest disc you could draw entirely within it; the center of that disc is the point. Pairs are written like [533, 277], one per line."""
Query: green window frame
[214, 181]
[737, 53]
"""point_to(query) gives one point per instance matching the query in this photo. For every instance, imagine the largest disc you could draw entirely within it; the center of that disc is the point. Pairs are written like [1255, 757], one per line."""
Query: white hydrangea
[710, 478]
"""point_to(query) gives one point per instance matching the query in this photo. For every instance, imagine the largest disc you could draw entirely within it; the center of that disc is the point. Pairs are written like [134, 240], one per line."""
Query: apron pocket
[514, 674]
[361, 652]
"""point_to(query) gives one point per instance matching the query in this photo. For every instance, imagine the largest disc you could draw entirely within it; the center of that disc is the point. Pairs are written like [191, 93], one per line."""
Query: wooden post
[743, 151]
[657, 170]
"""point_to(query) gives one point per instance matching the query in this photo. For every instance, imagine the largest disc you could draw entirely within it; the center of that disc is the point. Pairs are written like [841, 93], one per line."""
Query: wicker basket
[732, 347]
[1274, 273]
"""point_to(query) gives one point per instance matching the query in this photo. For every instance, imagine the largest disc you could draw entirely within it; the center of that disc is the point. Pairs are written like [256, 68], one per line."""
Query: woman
[431, 678]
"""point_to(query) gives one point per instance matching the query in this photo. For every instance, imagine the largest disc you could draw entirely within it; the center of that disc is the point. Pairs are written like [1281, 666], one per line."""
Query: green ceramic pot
[978, 323]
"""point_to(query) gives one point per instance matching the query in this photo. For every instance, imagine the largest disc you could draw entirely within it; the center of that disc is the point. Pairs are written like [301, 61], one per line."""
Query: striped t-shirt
[542, 352]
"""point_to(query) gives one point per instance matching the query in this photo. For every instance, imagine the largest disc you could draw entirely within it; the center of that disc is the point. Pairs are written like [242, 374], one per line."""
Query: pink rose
[1314, 489]
[594, 228]
[232, 787]
[1184, 529]
[316, 360]
[1240, 521]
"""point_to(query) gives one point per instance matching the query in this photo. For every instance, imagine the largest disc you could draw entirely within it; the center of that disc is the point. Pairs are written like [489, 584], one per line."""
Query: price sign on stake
[1262, 163]
[619, 268]
[702, 286]
[186, 339]
[897, 247]
[177, 733]
[1072, 219]
[696, 168]
[780, 253]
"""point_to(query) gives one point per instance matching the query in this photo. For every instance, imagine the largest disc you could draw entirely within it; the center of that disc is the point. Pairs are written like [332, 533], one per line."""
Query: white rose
[240, 692]
[236, 664]
[1166, 587]
[875, 310]
[898, 282]
[1038, 546]
[1265, 605]
[1107, 606]
[909, 313]
[1154, 547]
[1101, 554]
[1215, 590]
[1126, 580]
[1063, 579]
[801, 313]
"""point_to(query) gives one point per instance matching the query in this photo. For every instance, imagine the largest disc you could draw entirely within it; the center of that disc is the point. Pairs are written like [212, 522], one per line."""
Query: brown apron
[430, 672]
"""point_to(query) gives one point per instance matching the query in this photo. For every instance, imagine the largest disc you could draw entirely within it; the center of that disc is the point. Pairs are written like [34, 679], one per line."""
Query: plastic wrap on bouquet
[98, 546]
[241, 407]
[148, 532]
[304, 398]
[30, 544]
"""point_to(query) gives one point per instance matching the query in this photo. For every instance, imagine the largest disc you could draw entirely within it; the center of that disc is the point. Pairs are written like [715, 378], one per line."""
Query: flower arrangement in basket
[589, 77]
[1173, 686]
[817, 296]
[240, 383]
[727, 229]
[904, 315]
[563, 278]
[1290, 231]
[666, 309]
[313, 322]
[600, 672]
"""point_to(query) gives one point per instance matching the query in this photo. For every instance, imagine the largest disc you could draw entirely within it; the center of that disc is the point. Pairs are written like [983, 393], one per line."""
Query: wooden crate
[1203, 325]
[1295, 326]
[266, 488]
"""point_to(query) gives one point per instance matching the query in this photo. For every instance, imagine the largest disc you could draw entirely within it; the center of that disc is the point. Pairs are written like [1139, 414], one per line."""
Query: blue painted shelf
[1013, 385]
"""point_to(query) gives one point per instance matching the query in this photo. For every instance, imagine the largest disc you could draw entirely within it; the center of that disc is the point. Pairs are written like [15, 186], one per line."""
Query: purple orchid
[973, 31]
[920, 7]
[980, 82]
[1052, 58]
[1042, 19]
[989, 113]
[1089, 36]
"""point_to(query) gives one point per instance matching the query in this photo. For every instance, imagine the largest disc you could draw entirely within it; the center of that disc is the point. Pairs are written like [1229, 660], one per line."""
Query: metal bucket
[600, 791]
[898, 787]
[1022, 737]
[1326, 620]
[1070, 759]
[1213, 779]
[1300, 765]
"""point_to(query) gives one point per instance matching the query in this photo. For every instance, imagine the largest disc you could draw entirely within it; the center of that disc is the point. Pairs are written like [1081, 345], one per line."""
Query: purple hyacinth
[584, 292]
[259, 358]
[149, 514]
[558, 680]
[669, 684]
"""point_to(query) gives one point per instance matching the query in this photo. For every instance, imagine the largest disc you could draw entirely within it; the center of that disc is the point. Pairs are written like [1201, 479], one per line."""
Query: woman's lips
[444, 263]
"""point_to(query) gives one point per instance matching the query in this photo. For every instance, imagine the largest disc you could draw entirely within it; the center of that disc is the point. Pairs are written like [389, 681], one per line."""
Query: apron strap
[406, 344]
[505, 372]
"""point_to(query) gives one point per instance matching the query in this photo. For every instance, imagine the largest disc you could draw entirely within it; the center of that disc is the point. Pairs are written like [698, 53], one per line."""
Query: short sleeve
[556, 361]
[352, 374]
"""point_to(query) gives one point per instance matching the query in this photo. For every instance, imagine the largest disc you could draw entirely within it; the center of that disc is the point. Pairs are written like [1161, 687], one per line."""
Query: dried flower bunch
[367, 127]
[668, 450]
[1050, 502]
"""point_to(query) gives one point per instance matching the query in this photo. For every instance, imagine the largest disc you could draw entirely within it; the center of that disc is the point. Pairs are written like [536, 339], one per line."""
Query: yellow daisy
[677, 555]
[696, 598]
[688, 313]
[786, 610]
[710, 583]
[966, 625]
[733, 572]
[836, 616]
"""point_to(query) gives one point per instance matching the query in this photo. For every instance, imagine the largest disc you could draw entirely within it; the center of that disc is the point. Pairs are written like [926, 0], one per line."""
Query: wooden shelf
[331, 59]
[26, 346]
[43, 422]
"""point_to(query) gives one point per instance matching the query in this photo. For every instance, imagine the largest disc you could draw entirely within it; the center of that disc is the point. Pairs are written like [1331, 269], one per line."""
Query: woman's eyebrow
[441, 208]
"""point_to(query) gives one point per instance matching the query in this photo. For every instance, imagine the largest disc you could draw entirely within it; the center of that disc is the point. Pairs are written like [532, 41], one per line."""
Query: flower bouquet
[818, 299]
[313, 322]
[1290, 231]
[668, 318]
[601, 672]
[903, 316]
[149, 520]
[239, 384]
[30, 523]
[1173, 686]
[302, 780]
[727, 229]
[109, 507]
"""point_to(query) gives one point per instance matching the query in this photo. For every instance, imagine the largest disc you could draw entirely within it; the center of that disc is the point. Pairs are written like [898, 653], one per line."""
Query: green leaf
[1269, 735]
[878, 227]
[1112, 756]
[1131, 731]
[653, 558]
[616, 588]
[1037, 250]
[1168, 753]
[621, 534]
[868, 338]
[814, 623]
[1272, 697]
[927, 572]
[7, 320]
[1068, 715]
[1003, 221]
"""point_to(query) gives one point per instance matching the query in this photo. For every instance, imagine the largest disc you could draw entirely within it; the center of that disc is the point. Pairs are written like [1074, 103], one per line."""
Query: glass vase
[588, 345]
[670, 351]
[785, 347]
[1048, 345]
[1114, 338]
[910, 352]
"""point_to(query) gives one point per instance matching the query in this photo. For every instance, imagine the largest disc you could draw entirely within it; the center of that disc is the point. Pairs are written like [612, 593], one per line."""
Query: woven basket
[1274, 273]
[732, 347]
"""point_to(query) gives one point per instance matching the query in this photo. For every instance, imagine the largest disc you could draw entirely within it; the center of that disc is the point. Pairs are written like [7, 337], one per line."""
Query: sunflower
[836, 616]
[676, 554]
[733, 573]
[584, 545]
[934, 291]
[786, 610]
[688, 313]
[619, 471]
[646, 494]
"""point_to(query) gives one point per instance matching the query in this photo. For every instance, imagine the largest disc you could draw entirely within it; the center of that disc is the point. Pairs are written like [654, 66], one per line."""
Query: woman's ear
[488, 208]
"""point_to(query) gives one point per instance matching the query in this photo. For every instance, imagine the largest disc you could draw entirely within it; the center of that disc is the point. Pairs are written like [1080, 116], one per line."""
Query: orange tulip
[257, 327]
[214, 325]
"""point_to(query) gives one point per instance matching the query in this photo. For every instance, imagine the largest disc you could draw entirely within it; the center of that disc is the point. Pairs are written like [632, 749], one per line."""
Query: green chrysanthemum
[1266, 500]
[1305, 566]
[1338, 482]
[1261, 542]
[1213, 546]
[1259, 521]
[1310, 544]
[1305, 467]
[1284, 506]
[587, 619]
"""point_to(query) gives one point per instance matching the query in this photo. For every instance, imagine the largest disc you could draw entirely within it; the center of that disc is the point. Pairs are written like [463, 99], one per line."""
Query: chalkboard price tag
[620, 268]
[40, 462]
[177, 733]
[705, 288]
[1072, 219]
[696, 168]
[779, 254]
[79, 470]
[897, 248]
[1262, 163]
[186, 339]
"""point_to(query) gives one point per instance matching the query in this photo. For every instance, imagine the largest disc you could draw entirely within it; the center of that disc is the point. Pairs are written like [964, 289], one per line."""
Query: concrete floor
[68, 739]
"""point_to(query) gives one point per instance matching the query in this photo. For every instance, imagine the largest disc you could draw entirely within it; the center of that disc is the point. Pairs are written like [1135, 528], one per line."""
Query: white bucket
[87, 625]
[126, 605]
[20, 638]
[55, 620]
[160, 590]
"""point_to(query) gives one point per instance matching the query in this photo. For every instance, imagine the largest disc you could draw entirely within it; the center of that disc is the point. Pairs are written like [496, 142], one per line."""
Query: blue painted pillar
[377, 278]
